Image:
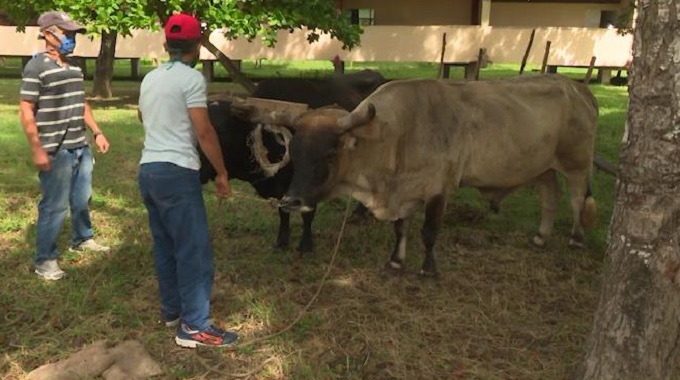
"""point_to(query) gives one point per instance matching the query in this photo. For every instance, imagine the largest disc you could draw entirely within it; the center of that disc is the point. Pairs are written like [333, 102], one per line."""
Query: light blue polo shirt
[164, 97]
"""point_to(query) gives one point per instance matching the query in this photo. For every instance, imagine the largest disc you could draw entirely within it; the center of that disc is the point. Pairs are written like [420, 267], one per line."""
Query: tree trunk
[104, 69]
[235, 73]
[636, 330]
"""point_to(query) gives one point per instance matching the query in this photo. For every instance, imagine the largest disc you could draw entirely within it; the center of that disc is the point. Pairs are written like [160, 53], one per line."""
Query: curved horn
[228, 97]
[282, 118]
[242, 110]
[357, 117]
[269, 111]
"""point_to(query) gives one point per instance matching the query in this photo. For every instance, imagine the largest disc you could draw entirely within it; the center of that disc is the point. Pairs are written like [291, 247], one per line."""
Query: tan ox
[413, 142]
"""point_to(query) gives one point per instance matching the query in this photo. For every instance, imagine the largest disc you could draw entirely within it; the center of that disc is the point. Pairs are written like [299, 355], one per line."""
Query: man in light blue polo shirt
[173, 109]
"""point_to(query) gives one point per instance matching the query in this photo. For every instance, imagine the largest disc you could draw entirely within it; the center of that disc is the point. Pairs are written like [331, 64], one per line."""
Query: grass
[501, 310]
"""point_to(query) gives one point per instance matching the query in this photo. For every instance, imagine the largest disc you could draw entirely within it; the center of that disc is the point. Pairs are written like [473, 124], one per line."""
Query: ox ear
[370, 131]
[361, 123]
[348, 142]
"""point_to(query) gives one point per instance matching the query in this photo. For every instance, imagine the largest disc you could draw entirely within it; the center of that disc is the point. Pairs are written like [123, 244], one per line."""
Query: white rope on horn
[282, 135]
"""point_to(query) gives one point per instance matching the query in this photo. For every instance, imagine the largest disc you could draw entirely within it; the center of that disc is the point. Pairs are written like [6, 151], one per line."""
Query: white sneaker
[49, 270]
[89, 246]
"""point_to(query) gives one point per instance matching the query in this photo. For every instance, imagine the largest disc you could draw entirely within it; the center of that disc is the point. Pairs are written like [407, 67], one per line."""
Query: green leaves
[237, 18]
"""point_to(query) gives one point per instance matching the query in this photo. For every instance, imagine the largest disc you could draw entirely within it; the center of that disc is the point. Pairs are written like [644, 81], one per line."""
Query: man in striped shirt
[54, 114]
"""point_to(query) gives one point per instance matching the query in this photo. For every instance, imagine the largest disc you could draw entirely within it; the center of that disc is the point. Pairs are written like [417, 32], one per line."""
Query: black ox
[234, 132]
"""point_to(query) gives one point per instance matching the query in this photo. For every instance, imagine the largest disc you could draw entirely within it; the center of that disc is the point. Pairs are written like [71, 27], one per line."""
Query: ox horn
[228, 97]
[242, 109]
[268, 111]
[358, 117]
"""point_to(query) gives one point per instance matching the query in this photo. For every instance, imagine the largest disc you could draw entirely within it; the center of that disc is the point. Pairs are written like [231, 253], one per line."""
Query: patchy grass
[501, 310]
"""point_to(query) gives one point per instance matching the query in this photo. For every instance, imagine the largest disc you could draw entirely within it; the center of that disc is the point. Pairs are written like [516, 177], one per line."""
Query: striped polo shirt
[59, 96]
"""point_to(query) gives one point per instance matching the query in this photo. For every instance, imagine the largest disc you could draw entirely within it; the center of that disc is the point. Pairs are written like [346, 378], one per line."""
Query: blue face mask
[68, 43]
[191, 64]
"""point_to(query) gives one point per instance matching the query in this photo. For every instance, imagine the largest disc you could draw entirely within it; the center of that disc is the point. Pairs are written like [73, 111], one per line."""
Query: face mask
[68, 44]
[192, 64]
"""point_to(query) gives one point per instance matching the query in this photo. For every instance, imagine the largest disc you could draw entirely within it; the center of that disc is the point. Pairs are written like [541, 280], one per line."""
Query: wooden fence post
[589, 73]
[545, 57]
[526, 53]
[134, 68]
[338, 65]
[440, 75]
[480, 58]
[208, 70]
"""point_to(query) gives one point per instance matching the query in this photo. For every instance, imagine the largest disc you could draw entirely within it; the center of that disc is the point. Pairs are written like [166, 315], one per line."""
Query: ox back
[234, 133]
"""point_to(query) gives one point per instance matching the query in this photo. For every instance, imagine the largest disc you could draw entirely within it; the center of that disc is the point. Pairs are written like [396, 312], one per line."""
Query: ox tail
[589, 210]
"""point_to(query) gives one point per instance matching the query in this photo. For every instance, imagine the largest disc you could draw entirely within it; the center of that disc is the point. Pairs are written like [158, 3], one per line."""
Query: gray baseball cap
[59, 19]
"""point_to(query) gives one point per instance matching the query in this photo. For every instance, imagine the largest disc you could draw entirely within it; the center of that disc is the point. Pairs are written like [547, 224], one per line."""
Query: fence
[569, 47]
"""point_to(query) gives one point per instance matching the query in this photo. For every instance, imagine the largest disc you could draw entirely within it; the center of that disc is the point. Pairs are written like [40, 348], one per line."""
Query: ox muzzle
[294, 204]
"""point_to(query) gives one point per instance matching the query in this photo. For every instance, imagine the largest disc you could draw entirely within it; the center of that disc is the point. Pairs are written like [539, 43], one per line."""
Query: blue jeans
[182, 254]
[67, 183]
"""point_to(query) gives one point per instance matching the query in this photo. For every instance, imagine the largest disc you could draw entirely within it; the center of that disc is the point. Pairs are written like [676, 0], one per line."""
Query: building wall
[421, 12]
[503, 13]
[547, 14]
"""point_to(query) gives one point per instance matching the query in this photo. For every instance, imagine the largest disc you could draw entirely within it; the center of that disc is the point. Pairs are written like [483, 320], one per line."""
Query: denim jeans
[181, 243]
[67, 184]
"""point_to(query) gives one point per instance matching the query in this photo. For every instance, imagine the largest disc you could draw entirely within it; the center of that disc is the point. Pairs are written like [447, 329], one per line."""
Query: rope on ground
[273, 202]
[302, 313]
[318, 290]
[243, 375]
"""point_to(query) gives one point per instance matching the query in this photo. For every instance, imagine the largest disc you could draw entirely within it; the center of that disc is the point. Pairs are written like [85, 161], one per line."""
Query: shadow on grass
[500, 309]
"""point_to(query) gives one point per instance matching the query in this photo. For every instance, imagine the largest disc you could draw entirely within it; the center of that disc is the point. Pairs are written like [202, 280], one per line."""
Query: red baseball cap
[182, 27]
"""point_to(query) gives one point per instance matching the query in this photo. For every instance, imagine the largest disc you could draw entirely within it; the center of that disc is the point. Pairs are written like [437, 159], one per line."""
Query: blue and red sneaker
[213, 336]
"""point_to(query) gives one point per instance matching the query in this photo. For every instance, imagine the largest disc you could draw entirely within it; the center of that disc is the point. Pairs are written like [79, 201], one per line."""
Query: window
[608, 19]
[361, 16]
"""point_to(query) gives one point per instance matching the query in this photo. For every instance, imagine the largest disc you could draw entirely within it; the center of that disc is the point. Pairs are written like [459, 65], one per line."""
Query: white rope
[282, 135]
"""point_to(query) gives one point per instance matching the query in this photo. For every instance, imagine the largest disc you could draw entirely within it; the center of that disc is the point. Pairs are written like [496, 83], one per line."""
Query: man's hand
[222, 186]
[41, 160]
[102, 143]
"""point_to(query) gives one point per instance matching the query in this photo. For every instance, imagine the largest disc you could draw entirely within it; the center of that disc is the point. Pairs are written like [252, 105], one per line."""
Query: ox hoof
[429, 274]
[576, 244]
[281, 246]
[394, 267]
[305, 249]
[537, 241]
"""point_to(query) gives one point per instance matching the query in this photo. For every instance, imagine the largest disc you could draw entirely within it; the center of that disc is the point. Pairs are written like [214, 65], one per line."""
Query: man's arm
[207, 139]
[29, 93]
[90, 121]
[99, 139]
[27, 116]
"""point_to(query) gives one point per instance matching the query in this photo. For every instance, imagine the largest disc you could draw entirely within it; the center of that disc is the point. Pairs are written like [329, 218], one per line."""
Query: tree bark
[104, 69]
[636, 330]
